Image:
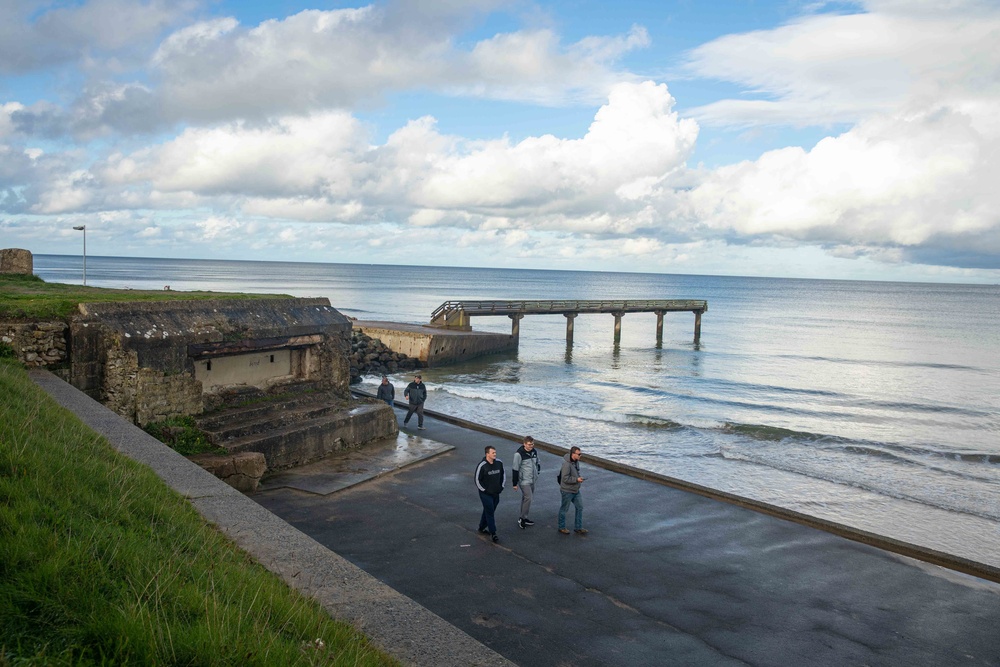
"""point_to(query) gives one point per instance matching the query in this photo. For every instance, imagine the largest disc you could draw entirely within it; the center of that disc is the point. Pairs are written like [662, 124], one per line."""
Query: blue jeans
[489, 509]
[577, 500]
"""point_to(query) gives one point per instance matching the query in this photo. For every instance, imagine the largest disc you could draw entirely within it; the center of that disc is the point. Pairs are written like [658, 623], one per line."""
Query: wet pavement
[665, 577]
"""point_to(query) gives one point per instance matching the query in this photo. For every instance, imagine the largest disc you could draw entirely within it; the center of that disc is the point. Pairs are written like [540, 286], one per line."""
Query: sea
[871, 404]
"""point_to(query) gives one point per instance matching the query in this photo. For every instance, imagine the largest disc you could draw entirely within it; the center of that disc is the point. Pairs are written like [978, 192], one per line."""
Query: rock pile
[370, 356]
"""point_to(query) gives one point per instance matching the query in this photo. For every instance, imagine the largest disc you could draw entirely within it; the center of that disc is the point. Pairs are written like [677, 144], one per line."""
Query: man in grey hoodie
[569, 488]
[525, 470]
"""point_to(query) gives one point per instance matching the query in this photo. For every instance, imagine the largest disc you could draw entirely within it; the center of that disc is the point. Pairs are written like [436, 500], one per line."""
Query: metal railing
[569, 306]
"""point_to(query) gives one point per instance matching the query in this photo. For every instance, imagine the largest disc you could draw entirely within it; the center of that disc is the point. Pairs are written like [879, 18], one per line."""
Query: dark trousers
[419, 409]
[489, 509]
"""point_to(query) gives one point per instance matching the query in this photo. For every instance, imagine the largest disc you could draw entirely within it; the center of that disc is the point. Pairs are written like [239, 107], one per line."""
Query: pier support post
[659, 327]
[570, 317]
[697, 326]
[515, 324]
[618, 327]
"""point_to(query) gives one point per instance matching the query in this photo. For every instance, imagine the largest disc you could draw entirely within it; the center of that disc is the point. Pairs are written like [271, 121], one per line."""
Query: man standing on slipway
[489, 481]
[416, 394]
[386, 392]
[525, 471]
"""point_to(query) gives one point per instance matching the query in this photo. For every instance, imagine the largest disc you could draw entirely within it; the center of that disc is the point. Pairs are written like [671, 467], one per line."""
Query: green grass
[183, 436]
[101, 563]
[29, 298]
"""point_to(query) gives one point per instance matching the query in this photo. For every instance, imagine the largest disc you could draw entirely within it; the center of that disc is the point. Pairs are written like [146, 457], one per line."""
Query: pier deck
[457, 314]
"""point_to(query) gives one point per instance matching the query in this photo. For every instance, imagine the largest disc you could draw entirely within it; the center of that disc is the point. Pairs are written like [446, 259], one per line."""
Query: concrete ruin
[17, 261]
[260, 375]
[149, 361]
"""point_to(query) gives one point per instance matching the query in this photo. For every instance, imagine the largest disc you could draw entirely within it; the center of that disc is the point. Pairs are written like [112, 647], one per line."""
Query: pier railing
[457, 314]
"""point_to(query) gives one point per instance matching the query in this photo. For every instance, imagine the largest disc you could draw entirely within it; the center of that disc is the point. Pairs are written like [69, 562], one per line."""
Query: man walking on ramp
[416, 394]
[489, 481]
[525, 471]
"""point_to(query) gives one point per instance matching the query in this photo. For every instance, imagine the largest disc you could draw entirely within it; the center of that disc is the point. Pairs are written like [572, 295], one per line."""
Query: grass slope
[29, 298]
[102, 563]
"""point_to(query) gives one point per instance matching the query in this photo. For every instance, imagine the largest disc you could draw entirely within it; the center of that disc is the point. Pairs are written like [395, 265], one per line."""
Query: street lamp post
[83, 228]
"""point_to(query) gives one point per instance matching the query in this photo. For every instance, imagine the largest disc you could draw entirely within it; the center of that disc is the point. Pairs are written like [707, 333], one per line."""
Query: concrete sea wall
[433, 346]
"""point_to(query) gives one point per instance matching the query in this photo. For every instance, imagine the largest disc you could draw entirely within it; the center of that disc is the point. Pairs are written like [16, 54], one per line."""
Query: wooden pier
[458, 314]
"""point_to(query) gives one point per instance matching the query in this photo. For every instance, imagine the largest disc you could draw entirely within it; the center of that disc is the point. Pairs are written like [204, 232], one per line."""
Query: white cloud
[218, 69]
[827, 68]
[321, 167]
[914, 182]
[635, 137]
[34, 36]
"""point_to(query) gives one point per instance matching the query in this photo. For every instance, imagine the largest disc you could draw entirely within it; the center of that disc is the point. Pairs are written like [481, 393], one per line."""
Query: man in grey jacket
[569, 488]
[526, 469]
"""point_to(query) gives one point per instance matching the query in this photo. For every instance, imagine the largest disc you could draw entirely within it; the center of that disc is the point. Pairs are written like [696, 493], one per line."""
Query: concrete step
[299, 440]
[221, 419]
[253, 398]
[275, 418]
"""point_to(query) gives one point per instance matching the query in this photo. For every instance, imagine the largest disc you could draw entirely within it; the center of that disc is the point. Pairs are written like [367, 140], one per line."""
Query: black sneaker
[528, 522]
[495, 538]
[484, 531]
[521, 524]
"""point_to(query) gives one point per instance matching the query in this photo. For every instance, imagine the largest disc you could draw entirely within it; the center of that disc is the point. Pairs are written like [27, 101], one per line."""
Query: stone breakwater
[369, 356]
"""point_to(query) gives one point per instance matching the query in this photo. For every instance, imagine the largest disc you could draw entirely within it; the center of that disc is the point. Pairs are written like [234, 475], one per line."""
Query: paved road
[664, 578]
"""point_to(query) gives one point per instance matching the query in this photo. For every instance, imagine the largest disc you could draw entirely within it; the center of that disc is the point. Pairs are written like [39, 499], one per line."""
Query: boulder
[241, 470]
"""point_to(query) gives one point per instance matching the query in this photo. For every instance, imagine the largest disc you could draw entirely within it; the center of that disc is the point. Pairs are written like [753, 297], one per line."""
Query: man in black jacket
[490, 481]
[416, 394]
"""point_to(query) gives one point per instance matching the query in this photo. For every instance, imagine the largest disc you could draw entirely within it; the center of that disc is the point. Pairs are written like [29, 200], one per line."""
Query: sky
[848, 140]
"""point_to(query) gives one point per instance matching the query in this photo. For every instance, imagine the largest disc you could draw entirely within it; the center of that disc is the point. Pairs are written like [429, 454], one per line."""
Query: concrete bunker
[285, 358]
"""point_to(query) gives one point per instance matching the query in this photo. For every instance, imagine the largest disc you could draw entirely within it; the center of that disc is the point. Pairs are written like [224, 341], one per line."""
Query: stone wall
[159, 396]
[36, 343]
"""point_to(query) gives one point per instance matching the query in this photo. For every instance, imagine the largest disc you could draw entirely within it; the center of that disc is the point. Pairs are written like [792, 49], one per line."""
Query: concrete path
[665, 577]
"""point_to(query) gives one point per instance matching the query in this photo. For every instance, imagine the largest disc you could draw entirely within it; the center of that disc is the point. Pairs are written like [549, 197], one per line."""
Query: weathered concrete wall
[241, 471]
[257, 369]
[36, 343]
[433, 346]
[294, 446]
[139, 358]
[16, 260]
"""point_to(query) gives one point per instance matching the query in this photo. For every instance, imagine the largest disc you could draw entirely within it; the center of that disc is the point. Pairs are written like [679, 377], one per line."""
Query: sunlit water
[871, 404]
